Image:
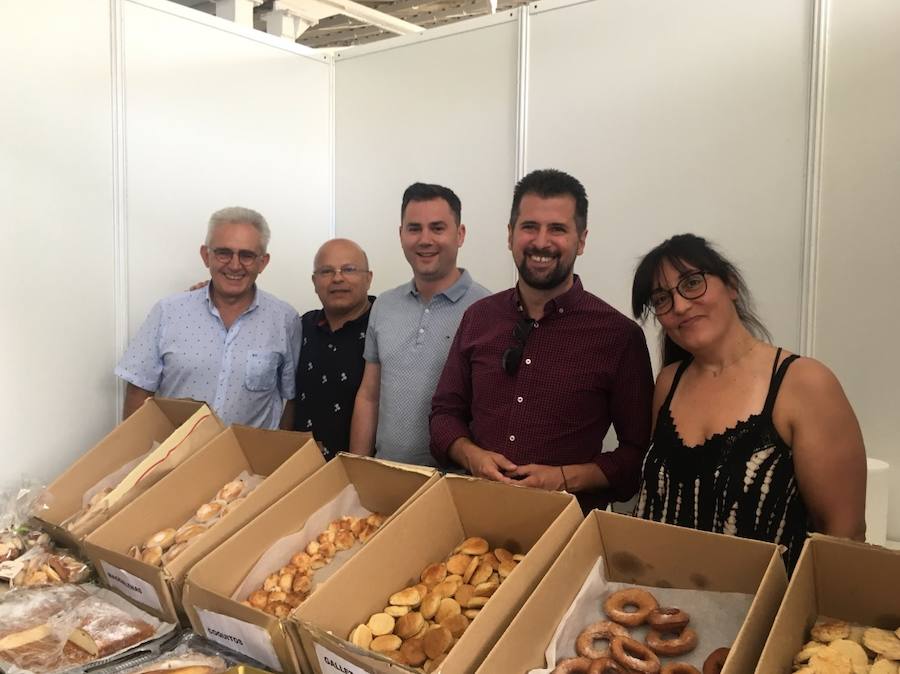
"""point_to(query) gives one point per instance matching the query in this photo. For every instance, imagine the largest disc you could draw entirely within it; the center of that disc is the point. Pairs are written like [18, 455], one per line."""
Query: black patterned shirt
[328, 376]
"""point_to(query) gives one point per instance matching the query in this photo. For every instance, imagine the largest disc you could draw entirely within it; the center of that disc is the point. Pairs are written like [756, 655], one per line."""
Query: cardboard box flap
[155, 420]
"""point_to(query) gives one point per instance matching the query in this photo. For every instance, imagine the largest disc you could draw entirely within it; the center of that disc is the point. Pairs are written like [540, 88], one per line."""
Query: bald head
[342, 278]
[343, 248]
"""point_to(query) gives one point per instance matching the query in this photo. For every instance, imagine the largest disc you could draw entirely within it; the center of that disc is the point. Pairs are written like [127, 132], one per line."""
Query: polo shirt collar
[454, 293]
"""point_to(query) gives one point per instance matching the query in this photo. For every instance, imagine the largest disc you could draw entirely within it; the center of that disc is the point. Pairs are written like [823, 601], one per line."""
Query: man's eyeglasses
[224, 255]
[690, 286]
[512, 357]
[346, 270]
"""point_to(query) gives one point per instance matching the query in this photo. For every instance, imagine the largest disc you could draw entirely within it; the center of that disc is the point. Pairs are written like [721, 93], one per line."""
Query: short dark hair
[427, 192]
[551, 183]
[680, 251]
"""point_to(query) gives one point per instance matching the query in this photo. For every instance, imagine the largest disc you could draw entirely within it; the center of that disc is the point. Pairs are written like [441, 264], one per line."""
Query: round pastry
[434, 574]
[668, 619]
[828, 630]
[173, 552]
[230, 491]
[715, 661]
[385, 643]
[207, 511]
[634, 655]
[163, 539]
[473, 546]
[458, 563]
[679, 668]
[602, 630]
[413, 652]
[606, 666]
[684, 642]
[641, 600]
[152, 555]
[188, 532]
[436, 642]
[573, 666]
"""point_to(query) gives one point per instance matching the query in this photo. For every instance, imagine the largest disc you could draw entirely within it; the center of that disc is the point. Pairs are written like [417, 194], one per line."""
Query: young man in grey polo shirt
[411, 328]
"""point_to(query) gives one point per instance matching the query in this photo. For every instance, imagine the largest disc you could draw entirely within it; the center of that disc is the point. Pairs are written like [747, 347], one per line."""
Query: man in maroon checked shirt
[537, 373]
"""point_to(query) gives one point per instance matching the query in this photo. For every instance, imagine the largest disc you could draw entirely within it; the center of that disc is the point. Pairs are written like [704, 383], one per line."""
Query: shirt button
[560, 310]
[520, 399]
[528, 361]
[428, 311]
[421, 330]
[512, 438]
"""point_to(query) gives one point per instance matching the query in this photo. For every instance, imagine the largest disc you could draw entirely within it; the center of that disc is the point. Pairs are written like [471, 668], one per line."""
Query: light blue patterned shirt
[410, 339]
[245, 372]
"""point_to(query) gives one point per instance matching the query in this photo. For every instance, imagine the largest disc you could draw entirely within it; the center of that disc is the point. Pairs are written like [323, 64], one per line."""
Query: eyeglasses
[346, 270]
[224, 255]
[512, 357]
[690, 286]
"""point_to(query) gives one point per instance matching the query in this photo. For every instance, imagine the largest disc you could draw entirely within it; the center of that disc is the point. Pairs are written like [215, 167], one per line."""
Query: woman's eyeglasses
[690, 286]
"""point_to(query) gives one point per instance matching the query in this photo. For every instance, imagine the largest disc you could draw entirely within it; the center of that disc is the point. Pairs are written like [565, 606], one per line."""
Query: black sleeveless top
[739, 482]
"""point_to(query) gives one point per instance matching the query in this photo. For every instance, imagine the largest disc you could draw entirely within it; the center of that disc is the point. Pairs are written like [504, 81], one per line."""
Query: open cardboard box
[647, 553]
[155, 421]
[837, 578]
[520, 519]
[284, 458]
[383, 487]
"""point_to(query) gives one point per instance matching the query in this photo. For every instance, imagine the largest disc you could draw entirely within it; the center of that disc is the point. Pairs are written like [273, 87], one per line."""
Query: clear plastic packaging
[18, 504]
[42, 566]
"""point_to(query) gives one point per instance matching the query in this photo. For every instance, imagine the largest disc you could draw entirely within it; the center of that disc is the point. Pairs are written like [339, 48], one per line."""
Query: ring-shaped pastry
[634, 655]
[602, 630]
[606, 666]
[679, 668]
[715, 661]
[641, 600]
[573, 666]
[669, 619]
[685, 642]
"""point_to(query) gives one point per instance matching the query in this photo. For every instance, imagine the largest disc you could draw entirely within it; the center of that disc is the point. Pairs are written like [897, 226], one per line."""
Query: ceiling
[342, 31]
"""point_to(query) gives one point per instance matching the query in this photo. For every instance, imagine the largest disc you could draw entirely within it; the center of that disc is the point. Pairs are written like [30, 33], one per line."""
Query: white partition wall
[440, 109]
[857, 320]
[220, 116]
[679, 117]
[57, 337]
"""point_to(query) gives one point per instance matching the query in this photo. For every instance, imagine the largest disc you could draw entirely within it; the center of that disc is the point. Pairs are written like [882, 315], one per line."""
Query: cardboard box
[285, 459]
[837, 578]
[520, 519]
[383, 487]
[647, 553]
[155, 421]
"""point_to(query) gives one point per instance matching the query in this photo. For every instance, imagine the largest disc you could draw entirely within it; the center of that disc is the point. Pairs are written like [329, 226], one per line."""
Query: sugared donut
[573, 666]
[684, 642]
[606, 666]
[634, 655]
[668, 619]
[716, 661]
[602, 630]
[679, 668]
[641, 600]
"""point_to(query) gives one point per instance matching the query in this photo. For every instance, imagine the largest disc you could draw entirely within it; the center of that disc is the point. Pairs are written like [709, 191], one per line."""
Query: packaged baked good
[49, 566]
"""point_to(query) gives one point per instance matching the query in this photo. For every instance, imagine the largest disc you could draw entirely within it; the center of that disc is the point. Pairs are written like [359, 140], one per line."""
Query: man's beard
[557, 276]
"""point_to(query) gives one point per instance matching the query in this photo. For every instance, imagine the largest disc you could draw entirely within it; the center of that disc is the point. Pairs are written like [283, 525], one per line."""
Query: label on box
[335, 664]
[131, 586]
[251, 640]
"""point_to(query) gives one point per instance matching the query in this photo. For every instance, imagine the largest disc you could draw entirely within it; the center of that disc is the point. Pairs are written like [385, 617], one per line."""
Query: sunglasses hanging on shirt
[512, 357]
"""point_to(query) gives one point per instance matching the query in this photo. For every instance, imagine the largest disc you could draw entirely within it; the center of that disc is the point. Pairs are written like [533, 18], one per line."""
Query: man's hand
[481, 462]
[537, 475]
[201, 284]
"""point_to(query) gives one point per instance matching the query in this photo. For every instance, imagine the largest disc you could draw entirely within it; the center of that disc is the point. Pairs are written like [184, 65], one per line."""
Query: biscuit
[385, 643]
[381, 624]
[827, 630]
[361, 636]
[883, 642]
[473, 546]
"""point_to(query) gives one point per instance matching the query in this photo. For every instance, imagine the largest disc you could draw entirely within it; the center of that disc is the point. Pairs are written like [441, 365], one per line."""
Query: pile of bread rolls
[285, 589]
[837, 647]
[164, 546]
[422, 622]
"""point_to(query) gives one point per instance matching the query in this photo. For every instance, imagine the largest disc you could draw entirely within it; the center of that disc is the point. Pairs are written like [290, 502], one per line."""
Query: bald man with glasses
[227, 343]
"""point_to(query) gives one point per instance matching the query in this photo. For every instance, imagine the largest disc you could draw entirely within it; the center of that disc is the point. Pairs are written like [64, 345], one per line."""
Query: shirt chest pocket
[261, 371]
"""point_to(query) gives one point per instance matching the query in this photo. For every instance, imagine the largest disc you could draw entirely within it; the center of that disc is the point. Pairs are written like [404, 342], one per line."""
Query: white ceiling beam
[239, 11]
[286, 23]
[354, 10]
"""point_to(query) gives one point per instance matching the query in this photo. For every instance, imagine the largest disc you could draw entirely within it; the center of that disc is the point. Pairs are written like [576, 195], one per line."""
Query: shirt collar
[322, 321]
[215, 311]
[454, 293]
[566, 301]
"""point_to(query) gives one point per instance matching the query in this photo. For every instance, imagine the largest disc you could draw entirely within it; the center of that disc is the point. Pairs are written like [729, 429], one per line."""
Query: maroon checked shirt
[585, 365]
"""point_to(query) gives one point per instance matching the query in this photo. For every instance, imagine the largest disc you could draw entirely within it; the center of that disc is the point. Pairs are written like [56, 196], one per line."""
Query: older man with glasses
[229, 343]
[331, 356]
[536, 374]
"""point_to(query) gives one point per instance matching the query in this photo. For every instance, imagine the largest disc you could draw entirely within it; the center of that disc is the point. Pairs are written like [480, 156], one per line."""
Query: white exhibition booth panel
[437, 109]
[679, 117]
[58, 337]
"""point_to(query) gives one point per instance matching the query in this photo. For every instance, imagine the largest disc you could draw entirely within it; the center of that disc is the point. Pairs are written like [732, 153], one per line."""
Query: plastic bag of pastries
[47, 566]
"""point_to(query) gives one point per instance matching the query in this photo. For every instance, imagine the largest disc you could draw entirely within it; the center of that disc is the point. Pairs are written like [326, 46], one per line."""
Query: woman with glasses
[748, 440]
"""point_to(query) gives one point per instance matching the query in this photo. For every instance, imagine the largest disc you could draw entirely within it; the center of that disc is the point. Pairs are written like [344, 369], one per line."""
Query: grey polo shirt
[410, 339]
